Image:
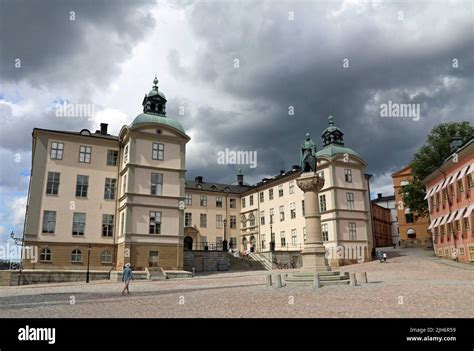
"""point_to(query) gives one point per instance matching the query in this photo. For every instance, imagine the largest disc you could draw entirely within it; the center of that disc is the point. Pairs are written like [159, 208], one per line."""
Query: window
[155, 222]
[443, 229]
[409, 218]
[302, 208]
[304, 234]
[122, 224]
[156, 187]
[76, 256]
[466, 224]
[251, 200]
[107, 225]
[461, 251]
[49, 222]
[78, 223]
[352, 231]
[270, 194]
[322, 203]
[188, 200]
[112, 157]
[158, 151]
[292, 210]
[82, 184]
[292, 187]
[233, 242]
[348, 175]
[293, 237]
[282, 238]
[125, 154]
[203, 242]
[233, 222]
[110, 185]
[57, 150]
[219, 222]
[203, 201]
[243, 221]
[219, 243]
[262, 196]
[106, 256]
[188, 219]
[243, 202]
[460, 186]
[350, 200]
[233, 203]
[85, 153]
[282, 213]
[124, 184]
[203, 220]
[52, 186]
[470, 183]
[325, 231]
[45, 255]
[271, 215]
[262, 217]
[280, 190]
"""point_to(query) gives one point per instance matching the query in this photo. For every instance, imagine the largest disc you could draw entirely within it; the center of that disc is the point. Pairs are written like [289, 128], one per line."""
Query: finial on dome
[331, 120]
[155, 82]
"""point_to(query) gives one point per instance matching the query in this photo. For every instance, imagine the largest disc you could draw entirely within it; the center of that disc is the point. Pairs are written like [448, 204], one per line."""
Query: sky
[232, 71]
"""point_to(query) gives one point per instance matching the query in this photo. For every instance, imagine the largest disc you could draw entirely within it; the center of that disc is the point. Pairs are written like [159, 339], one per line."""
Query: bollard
[269, 280]
[363, 277]
[352, 278]
[279, 281]
[193, 271]
[316, 283]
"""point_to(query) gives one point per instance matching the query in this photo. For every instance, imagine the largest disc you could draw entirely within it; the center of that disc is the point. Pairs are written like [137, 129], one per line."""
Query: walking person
[385, 257]
[126, 277]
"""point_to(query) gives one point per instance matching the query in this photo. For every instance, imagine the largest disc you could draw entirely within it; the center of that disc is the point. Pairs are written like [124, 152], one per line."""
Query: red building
[381, 226]
[450, 194]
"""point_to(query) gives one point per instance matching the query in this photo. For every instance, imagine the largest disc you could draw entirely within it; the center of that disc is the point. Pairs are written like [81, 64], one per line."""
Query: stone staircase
[265, 262]
[244, 264]
[325, 278]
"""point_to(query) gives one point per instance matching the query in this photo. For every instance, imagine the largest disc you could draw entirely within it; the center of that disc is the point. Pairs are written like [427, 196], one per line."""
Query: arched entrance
[188, 243]
[252, 244]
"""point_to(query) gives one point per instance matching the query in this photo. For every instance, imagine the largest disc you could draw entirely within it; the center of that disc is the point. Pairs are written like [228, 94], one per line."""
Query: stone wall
[205, 261]
[39, 276]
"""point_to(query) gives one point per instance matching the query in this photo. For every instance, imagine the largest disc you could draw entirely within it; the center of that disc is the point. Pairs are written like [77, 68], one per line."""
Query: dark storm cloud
[84, 52]
[300, 63]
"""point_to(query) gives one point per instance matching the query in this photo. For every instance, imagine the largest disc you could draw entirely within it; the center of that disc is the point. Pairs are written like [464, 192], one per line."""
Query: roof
[333, 150]
[84, 133]
[143, 118]
[384, 198]
[216, 187]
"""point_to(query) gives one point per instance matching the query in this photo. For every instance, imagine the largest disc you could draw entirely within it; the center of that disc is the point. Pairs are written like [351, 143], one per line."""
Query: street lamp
[88, 261]
[224, 243]
[272, 243]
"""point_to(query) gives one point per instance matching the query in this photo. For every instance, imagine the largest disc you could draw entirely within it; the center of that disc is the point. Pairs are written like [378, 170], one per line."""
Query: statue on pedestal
[308, 155]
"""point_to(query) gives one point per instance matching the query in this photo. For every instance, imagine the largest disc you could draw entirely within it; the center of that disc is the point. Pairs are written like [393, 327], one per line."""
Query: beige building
[106, 199]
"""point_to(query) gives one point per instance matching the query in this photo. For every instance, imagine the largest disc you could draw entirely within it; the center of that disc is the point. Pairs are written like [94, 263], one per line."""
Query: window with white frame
[57, 150]
[251, 200]
[158, 151]
[188, 219]
[125, 154]
[112, 157]
[156, 182]
[302, 208]
[292, 187]
[233, 222]
[203, 200]
[282, 238]
[219, 222]
[262, 217]
[85, 153]
[304, 234]
[76, 256]
[325, 231]
[270, 194]
[348, 175]
[45, 255]
[322, 203]
[292, 210]
[350, 201]
[105, 256]
[124, 184]
[233, 203]
[293, 237]
[107, 225]
[49, 222]
[262, 197]
[203, 220]
[78, 223]
[243, 202]
[52, 185]
[272, 213]
[352, 231]
[188, 200]
[219, 201]
[282, 213]
[155, 222]
[82, 184]
[122, 223]
[109, 191]
[280, 190]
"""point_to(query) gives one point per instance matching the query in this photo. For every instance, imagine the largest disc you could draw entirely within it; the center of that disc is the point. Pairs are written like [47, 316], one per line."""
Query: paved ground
[411, 284]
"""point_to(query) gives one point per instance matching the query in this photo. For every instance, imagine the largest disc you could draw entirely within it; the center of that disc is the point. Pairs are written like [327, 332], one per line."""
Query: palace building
[450, 195]
[108, 200]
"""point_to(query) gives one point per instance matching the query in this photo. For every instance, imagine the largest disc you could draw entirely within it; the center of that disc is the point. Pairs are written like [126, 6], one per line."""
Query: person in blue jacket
[126, 277]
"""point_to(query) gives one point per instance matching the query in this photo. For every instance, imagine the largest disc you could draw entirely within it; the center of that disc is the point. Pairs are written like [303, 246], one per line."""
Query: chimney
[240, 178]
[295, 168]
[455, 142]
[282, 172]
[198, 179]
[379, 195]
[103, 128]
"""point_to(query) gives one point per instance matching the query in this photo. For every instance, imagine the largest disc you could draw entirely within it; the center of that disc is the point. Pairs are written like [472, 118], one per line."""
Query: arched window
[160, 108]
[76, 256]
[243, 220]
[411, 233]
[45, 255]
[105, 257]
[252, 220]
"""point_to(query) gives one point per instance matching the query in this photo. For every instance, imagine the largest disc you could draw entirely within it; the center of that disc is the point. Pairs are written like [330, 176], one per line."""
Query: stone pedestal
[314, 253]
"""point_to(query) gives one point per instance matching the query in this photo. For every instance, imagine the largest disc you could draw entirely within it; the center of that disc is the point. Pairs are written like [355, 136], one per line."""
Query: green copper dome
[332, 150]
[147, 118]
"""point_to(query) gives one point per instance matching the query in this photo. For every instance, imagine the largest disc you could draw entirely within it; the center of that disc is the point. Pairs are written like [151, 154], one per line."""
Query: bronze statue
[308, 155]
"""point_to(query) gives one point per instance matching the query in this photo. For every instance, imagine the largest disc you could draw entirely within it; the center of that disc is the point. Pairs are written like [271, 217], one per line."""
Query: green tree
[429, 158]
